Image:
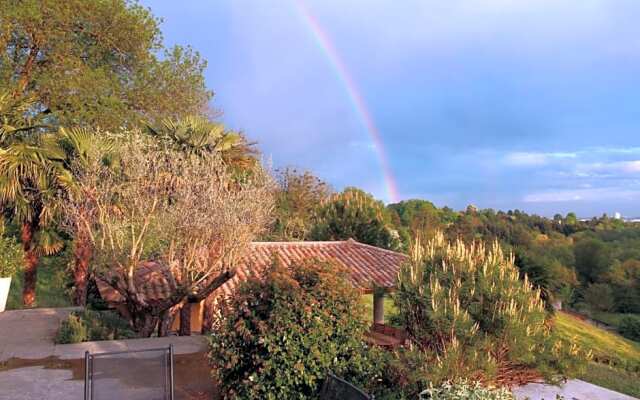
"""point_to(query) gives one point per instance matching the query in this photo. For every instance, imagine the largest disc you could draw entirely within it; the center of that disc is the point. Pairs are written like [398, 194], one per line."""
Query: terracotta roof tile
[367, 265]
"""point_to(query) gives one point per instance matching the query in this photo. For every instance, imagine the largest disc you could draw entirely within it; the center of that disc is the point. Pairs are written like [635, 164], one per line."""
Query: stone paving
[32, 366]
[574, 389]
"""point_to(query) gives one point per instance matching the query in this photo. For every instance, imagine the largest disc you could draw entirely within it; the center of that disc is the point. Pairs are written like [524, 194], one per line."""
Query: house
[368, 267]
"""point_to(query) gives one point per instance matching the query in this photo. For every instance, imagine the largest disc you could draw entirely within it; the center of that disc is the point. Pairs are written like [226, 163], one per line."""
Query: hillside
[616, 360]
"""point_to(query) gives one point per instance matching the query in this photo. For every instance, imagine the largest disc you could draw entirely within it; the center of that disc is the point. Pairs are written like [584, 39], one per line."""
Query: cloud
[535, 159]
[583, 195]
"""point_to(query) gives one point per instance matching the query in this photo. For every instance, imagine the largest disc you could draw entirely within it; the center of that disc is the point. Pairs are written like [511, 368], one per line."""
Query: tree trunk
[166, 320]
[185, 319]
[144, 323]
[82, 257]
[30, 264]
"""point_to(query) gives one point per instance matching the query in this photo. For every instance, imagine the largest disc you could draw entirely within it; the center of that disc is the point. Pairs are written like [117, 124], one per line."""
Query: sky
[504, 104]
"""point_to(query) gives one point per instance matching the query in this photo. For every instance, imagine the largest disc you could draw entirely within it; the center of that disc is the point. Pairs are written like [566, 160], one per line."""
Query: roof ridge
[376, 248]
[300, 242]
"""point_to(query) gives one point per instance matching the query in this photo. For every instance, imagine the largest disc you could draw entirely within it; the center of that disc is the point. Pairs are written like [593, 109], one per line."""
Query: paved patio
[574, 389]
[33, 367]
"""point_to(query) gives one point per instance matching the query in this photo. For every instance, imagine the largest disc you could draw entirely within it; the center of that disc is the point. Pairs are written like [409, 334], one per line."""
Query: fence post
[87, 385]
[171, 371]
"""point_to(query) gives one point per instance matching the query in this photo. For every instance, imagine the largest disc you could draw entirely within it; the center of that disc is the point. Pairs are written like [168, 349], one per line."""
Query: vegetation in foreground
[280, 335]
[467, 313]
[466, 308]
[90, 325]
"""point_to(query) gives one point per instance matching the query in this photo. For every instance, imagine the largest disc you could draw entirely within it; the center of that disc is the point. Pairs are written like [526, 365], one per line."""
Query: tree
[32, 173]
[299, 196]
[593, 259]
[185, 212]
[354, 214]
[197, 135]
[599, 296]
[96, 63]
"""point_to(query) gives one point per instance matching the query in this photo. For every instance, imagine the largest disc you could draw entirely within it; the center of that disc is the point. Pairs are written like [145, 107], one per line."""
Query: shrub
[467, 309]
[630, 327]
[282, 332]
[89, 325]
[72, 330]
[11, 256]
[464, 390]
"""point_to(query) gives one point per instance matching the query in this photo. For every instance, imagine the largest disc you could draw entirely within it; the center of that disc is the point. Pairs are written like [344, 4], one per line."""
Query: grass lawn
[607, 348]
[50, 289]
[613, 378]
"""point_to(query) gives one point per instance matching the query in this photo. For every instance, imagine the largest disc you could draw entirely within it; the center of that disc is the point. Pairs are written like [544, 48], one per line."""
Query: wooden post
[378, 307]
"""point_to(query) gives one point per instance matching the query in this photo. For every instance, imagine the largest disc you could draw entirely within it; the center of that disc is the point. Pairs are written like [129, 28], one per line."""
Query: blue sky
[529, 104]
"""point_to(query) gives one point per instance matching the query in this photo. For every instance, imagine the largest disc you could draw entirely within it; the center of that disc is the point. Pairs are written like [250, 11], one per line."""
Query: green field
[51, 289]
[616, 363]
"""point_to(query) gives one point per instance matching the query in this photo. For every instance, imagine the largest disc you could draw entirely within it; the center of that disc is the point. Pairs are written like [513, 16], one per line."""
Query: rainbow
[360, 106]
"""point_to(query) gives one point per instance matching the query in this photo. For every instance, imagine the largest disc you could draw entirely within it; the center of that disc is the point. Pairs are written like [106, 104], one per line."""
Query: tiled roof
[368, 265]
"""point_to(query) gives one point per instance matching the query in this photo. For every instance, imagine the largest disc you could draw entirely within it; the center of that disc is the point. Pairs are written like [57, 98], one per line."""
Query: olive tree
[187, 213]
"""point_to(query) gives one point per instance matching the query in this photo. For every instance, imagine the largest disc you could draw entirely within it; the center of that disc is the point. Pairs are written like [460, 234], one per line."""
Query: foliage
[97, 63]
[354, 214]
[51, 288]
[185, 212]
[11, 256]
[599, 296]
[464, 390]
[280, 334]
[90, 325]
[593, 259]
[630, 328]
[466, 305]
[72, 330]
[197, 135]
[32, 174]
[298, 197]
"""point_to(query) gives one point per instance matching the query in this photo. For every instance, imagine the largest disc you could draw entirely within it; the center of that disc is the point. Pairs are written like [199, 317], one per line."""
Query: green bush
[630, 327]
[464, 390]
[90, 325]
[11, 256]
[282, 332]
[72, 330]
[467, 309]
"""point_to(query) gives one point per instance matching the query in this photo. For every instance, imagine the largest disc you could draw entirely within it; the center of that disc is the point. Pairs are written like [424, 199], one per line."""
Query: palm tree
[195, 135]
[31, 175]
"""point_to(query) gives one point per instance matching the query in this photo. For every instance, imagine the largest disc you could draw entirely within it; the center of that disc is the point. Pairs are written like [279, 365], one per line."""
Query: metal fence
[335, 388]
[131, 375]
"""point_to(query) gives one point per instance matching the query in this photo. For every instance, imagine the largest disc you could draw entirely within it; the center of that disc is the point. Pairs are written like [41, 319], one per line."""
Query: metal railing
[132, 375]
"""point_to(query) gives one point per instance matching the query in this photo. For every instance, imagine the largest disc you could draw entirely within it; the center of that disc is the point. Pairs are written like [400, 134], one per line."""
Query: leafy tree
[299, 195]
[96, 63]
[185, 212]
[593, 259]
[354, 214]
[599, 296]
